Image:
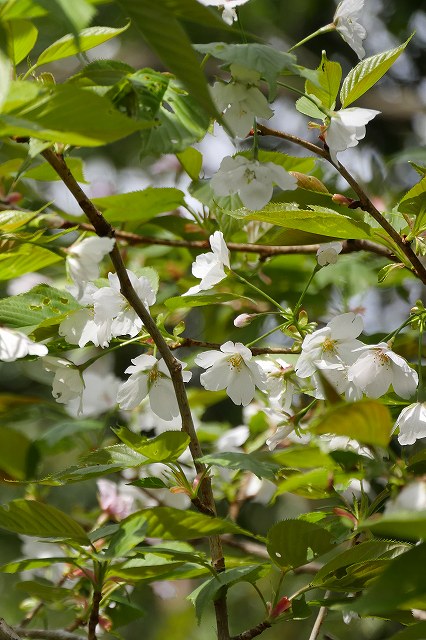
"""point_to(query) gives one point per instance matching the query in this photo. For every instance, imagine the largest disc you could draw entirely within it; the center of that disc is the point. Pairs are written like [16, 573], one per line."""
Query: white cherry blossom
[228, 7]
[232, 368]
[149, 376]
[378, 368]
[331, 347]
[67, 383]
[15, 345]
[210, 267]
[241, 100]
[412, 423]
[99, 394]
[328, 253]
[411, 498]
[345, 21]
[347, 128]
[84, 257]
[251, 179]
[114, 315]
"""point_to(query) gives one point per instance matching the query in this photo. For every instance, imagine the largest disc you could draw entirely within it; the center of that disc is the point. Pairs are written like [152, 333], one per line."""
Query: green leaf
[11, 220]
[45, 592]
[15, 450]
[339, 572]
[304, 457]
[317, 220]
[74, 16]
[163, 32]
[29, 564]
[292, 543]
[6, 70]
[367, 421]
[413, 632]
[309, 108]
[150, 482]
[139, 206]
[208, 592]
[166, 447]
[137, 569]
[159, 96]
[25, 258]
[329, 76]
[401, 586]
[45, 171]
[367, 72]
[303, 164]
[415, 199]
[264, 59]
[31, 308]
[131, 532]
[22, 37]
[202, 299]
[191, 160]
[174, 524]
[69, 46]
[64, 114]
[258, 463]
[314, 484]
[403, 525]
[33, 518]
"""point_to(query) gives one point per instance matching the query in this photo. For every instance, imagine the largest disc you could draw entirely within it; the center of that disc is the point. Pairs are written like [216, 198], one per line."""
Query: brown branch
[6, 632]
[47, 634]
[264, 250]
[365, 202]
[252, 633]
[94, 615]
[103, 228]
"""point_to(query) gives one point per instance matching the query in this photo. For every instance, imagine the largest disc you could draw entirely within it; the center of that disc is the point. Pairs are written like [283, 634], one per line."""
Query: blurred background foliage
[380, 162]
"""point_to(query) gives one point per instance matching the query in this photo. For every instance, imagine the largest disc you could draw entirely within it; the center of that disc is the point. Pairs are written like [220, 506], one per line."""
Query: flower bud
[339, 198]
[328, 252]
[243, 319]
[282, 605]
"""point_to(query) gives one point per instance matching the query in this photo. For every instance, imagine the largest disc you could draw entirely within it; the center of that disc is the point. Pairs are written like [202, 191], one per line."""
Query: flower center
[328, 345]
[153, 376]
[236, 361]
[382, 358]
[249, 175]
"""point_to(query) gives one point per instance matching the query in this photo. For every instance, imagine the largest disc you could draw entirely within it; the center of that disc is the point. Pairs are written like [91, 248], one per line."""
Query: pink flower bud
[282, 605]
[339, 198]
[243, 320]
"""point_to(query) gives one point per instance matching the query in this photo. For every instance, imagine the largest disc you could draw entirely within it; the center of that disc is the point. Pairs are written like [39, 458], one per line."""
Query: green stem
[265, 335]
[261, 597]
[420, 385]
[326, 29]
[299, 302]
[259, 291]
[396, 331]
[89, 362]
[205, 60]
[305, 95]
[277, 591]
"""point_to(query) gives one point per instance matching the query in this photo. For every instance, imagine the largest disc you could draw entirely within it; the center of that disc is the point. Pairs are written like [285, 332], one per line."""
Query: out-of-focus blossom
[84, 257]
[15, 345]
[411, 498]
[228, 8]
[116, 500]
[67, 382]
[328, 253]
[412, 423]
[345, 21]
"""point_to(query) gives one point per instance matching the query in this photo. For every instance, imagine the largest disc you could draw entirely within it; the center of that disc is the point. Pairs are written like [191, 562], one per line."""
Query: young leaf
[207, 592]
[25, 258]
[32, 518]
[70, 46]
[259, 464]
[139, 206]
[319, 220]
[414, 200]
[174, 524]
[367, 421]
[403, 525]
[12, 220]
[165, 447]
[329, 76]
[191, 160]
[165, 35]
[22, 37]
[401, 586]
[367, 73]
[292, 543]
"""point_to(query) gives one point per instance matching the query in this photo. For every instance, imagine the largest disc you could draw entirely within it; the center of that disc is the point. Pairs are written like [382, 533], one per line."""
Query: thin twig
[47, 634]
[103, 228]
[318, 622]
[94, 615]
[264, 250]
[365, 203]
[6, 632]
[256, 351]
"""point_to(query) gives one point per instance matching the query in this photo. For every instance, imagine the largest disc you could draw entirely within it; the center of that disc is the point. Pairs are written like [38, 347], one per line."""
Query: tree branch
[265, 251]
[256, 351]
[252, 633]
[365, 202]
[103, 228]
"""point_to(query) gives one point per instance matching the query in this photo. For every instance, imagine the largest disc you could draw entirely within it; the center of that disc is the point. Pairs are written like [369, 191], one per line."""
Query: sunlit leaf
[139, 206]
[22, 37]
